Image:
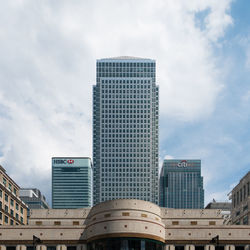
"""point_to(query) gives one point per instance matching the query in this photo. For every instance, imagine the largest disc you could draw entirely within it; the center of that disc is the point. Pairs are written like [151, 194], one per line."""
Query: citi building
[71, 182]
[181, 184]
[125, 130]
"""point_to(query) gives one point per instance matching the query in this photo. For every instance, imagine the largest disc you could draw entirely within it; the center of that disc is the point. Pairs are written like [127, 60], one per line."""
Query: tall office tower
[71, 182]
[181, 184]
[125, 130]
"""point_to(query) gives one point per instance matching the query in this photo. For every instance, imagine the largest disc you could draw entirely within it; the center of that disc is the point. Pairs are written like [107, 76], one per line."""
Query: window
[4, 181]
[39, 223]
[1, 216]
[144, 215]
[193, 223]
[21, 218]
[17, 206]
[11, 202]
[10, 186]
[76, 223]
[11, 222]
[212, 223]
[1, 193]
[21, 210]
[6, 219]
[57, 223]
[14, 191]
[6, 198]
[17, 216]
[12, 212]
[175, 223]
[125, 214]
[6, 208]
[106, 215]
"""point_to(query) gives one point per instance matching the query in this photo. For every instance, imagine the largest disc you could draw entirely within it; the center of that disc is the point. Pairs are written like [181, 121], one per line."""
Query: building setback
[125, 130]
[181, 184]
[71, 182]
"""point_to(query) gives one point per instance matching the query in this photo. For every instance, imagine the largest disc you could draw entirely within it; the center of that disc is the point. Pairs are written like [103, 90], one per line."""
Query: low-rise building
[240, 196]
[126, 224]
[13, 211]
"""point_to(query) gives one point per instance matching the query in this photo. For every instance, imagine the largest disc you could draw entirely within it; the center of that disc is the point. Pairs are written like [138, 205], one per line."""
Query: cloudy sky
[48, 51]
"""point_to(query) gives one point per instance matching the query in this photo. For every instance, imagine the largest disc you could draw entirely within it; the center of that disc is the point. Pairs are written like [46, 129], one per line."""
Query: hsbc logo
[63, 161]
[182, 164]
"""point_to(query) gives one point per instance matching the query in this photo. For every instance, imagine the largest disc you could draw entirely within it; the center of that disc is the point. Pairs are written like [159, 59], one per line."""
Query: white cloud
[47, 69]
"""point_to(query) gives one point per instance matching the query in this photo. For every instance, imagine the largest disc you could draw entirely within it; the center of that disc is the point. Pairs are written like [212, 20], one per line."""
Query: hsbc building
[71, 182]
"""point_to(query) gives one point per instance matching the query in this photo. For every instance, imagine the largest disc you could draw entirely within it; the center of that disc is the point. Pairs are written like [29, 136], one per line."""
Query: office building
[181, 184]
[13, 211]
[33, 198]
[126, 225]
[125, 130]
[71, 182]
[240, 196]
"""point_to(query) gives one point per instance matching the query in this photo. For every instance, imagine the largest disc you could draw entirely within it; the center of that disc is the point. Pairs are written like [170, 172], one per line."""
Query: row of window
[8, 220]
[128, 91]
[124, 69]
[125, 64]
[130, 101]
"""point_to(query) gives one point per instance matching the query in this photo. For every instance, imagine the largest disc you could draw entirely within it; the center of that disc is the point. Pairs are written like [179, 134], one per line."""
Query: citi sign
[182, 164]
[63, 161]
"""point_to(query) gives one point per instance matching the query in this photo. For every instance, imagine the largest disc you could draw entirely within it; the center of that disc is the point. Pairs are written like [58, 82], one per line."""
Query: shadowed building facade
[125, 130]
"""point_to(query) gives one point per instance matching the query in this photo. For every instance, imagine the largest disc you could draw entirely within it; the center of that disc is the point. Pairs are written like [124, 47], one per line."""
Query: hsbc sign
[182, 164]
[63, 161]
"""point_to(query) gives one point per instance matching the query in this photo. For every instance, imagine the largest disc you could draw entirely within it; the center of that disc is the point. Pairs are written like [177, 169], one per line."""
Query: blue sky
[47, 69]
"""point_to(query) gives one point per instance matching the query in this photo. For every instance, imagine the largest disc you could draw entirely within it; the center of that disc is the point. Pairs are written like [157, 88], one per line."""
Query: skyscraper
[71, 182]
[181, 184]
[125, 130]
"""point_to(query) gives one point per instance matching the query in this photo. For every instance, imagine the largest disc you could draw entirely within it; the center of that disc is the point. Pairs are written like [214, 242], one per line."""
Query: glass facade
[125, 244]
[181, 184]
[125, 130]
[71, 182]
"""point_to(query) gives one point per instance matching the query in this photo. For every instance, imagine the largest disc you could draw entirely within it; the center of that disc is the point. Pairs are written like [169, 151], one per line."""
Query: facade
[125, 130]
[181, 184]
[33, 198]
[240, 196]
[71, 182]
[225, 208]
[126, 225]
[13, 211]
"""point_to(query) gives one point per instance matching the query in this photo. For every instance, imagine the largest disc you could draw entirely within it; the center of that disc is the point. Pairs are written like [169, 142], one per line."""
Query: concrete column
[41, 247]
[247, 247]
[189, 247]
[209, 247]
[61, 247]
[169, 247]
[2, 247]
[81, 247]
[21, 247]
[229, 247]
